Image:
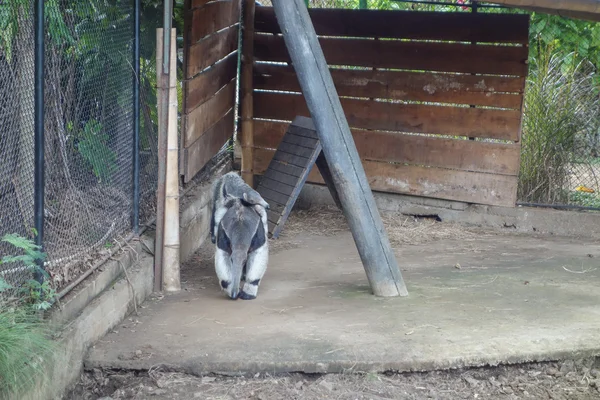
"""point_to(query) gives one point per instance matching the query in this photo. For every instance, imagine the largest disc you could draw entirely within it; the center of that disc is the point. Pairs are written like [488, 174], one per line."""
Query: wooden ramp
[282, 182]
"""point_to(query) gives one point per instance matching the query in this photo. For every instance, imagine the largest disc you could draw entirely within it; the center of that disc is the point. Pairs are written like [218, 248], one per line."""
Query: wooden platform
[288, 170]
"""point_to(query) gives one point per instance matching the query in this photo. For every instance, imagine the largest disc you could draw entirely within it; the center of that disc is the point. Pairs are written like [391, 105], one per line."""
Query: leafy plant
[37, 296]
[93, 146]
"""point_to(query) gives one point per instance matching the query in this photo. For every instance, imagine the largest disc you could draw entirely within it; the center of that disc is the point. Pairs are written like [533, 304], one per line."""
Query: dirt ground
[556, 380]
[566, 380]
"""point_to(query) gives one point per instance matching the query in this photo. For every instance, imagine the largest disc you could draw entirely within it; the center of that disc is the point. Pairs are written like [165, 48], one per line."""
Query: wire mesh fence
[88, 131]
[16, 132]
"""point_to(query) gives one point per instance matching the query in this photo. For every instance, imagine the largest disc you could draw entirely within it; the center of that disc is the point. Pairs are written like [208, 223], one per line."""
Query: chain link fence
[560, 155]
[16, 132]
[88, 129]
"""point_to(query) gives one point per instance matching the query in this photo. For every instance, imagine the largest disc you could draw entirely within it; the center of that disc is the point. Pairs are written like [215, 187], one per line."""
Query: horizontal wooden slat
[301, 151]
[421, 56]
[470, 187]
[211, 49]
[273, 196]
[465, 155]
[200, 119]
[288, 169]
[276, 186]
[212, 17]
[365, 114]
[300, 141]
[204, 149]
[290, 158]
[204, 85]
[408, 86]
[281, 177]
[452, 26]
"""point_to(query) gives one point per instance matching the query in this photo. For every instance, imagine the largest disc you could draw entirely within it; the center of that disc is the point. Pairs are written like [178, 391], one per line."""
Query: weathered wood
[328, 179]
[204, 85]
[211, 49]
[197, 3]
[197, 154]
[415, 118]
[277, 184]
[280, 177]
[291, 159]
[200, 119]
[441, 183]
[422, 56]
[246, 93]
[334, 133]
[212, 17]
[491, 91]
[498, 158]
[451, 26]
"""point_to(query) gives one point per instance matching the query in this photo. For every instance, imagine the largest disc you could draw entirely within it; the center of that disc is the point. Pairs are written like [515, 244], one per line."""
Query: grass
[26, 345]
[25, 350]
[585, 199]
[561, 110]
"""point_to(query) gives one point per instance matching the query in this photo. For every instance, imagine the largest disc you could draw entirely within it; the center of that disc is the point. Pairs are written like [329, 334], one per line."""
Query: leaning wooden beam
[340, 151]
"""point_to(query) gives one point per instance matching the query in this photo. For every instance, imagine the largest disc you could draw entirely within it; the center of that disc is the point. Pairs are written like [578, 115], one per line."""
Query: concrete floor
[495, 299]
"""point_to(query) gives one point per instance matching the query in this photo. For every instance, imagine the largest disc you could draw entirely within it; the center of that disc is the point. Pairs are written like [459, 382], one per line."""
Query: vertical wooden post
[162, 98]
[246, 86]
[340, 151]
[166, 248]
[171, 277]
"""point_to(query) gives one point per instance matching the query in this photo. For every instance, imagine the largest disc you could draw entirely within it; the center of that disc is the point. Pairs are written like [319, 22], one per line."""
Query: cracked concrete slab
[488, 300]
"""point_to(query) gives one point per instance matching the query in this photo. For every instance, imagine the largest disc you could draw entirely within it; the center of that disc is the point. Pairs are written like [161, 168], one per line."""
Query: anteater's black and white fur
[242, 248]
[231, 184]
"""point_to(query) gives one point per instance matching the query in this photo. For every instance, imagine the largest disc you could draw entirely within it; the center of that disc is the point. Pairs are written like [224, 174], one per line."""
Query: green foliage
[561, 106]
[575, 40]
[93, 146]
[26, 350]
[585, 199]
[31, 294]
[26, 347]
[32, 252]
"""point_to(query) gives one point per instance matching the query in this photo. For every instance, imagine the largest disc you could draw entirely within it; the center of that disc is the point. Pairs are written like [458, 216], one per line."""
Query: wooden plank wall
[434, 100]
[210, 68]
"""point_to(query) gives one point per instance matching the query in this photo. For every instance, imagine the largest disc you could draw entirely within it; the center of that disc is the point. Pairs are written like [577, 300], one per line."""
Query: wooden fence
[210, 69]
[434, 100]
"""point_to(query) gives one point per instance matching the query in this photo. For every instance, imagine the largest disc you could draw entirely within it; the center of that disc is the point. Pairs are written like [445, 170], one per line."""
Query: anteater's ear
[246, 199]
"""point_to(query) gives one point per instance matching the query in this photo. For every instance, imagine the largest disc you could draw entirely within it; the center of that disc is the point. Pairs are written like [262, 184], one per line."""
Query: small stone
[197, 395]
[208, 379]
[138, 353]
[553, 372]
[595, 373]
[595, 384]
[494, 382]
[470, 380]
[299, 385]
[502, 379]
[525, 393]
[257, 375]
[326, 385]
[567, 366]
[507, 390]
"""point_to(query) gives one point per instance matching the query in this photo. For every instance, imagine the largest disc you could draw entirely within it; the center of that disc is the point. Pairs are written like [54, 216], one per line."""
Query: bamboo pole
[171, 278]
[247, 140]
[162, 98]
